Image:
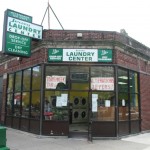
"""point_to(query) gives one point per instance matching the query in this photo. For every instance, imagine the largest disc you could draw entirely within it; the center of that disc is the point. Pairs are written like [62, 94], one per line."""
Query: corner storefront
[89, 86]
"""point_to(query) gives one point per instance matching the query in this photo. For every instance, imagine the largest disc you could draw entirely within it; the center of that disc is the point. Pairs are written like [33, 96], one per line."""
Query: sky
[103, 15]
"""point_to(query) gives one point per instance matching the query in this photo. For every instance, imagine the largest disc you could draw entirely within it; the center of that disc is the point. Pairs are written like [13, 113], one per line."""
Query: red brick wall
[145, 101]
[126, 60]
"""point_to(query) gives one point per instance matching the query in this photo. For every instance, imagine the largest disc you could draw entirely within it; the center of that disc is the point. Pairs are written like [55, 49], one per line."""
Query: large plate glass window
[9, 107]
[134, 97]
[79, 77]
[36, 78]
[56, 105]
[123, 99]
[56, 96]
[103, 96]
[56, 78]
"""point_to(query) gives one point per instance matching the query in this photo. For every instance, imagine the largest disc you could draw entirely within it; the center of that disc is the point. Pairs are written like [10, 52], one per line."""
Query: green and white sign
[104, 55]
[24, 28]
[80, 55]
[17, 33]
[18, 45]
[19, 16]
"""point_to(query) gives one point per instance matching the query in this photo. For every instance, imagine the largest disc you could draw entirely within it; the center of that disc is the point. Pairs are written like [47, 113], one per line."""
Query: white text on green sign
[17, 45]
[19, 16]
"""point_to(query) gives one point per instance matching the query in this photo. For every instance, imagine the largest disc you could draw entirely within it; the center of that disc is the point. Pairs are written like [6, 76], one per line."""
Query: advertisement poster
[102, 83]
[61, 100]
[53, 81]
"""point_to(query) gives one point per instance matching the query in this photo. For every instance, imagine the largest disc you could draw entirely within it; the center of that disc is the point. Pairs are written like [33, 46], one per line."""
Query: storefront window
[56, 77]
[35, 105]
[17, 104]
[18, 78]
[128, 98]
[25, 104]
[9, 107]
[133, 82]
[102, 78]
[123, 104]
[56, 105]
[103, 106]
[134, 107]
[26, 79]
[36, 78]
[79, 77]
[10, 83]
[122, 80]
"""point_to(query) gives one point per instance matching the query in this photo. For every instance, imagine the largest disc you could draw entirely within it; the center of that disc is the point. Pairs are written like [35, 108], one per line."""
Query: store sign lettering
[18, 30]
[17, 44]
[52, 81]
[24, 28]
[80, 55]
[18, 15]
[102, 83]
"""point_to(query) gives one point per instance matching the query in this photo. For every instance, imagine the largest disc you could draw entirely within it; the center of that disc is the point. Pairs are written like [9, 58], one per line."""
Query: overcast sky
[102, 15]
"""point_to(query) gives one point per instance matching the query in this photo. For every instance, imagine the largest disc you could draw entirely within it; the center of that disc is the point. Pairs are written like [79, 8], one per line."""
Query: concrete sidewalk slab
[19, 140]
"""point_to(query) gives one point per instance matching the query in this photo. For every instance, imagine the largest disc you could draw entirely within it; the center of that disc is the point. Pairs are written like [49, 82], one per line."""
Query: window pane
[79, 77]
[9, 106]
[18, 78]
[17, 104]
[122, 80]
[103, 106]
[123, 104]
[26, 79]
[56, 77]
[25, 104]
[35, 105]
[102, 78]
[36, 78]
[56, 105]
[133, 82]
[10, 82]
[134, 106]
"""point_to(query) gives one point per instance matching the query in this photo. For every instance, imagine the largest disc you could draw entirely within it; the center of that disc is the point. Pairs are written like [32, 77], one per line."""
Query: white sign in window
[102, 83]
[52, 82]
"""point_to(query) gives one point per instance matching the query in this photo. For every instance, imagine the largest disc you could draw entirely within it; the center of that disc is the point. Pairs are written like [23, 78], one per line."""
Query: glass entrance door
[79, 114]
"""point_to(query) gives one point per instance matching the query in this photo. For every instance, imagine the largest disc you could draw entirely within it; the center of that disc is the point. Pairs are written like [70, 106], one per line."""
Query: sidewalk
[18, 140]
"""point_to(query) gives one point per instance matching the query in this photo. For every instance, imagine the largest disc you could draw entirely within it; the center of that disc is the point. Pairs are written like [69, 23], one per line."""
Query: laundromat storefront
[75, 98]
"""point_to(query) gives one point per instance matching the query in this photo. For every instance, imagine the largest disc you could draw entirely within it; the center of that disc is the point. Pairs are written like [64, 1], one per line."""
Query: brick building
[91, 83]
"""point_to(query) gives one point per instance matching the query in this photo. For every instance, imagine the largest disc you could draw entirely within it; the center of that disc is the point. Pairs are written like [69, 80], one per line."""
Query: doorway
[78, 114]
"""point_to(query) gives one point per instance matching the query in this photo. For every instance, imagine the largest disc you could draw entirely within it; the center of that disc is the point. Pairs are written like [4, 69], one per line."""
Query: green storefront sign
[17, 33]
[19, 16]
[79, 55]
[17, 45]
[55, 54]
[104, 55]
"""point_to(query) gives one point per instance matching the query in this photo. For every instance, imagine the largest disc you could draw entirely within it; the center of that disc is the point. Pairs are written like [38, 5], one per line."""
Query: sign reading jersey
[79, 55]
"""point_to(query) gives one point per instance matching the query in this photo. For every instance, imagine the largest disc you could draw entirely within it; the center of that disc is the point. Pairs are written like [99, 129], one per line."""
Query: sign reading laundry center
[80, 55]
[24, 28]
